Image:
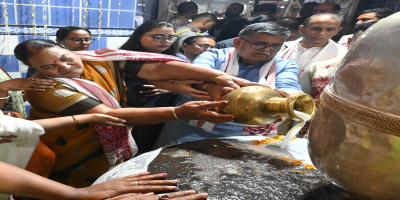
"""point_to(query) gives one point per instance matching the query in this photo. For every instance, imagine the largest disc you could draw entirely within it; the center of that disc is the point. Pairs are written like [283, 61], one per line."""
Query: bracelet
[76, 122]
[212, 78]
[5, 98]
[174, 113]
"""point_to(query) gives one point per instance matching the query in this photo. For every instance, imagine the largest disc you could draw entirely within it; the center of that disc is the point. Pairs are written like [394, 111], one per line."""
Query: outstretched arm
[54, 124]
[174, 70]
[32, 84]
[189, 110]
[23, 183]
[184, 86]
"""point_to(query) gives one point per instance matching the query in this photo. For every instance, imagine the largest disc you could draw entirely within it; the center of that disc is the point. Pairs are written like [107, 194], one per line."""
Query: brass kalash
[257, 105]
[355, 135]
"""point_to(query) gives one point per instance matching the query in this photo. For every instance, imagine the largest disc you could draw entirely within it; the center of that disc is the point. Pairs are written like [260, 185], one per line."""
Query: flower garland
[33, 6]
[119, 12]
[44, 2]
[99, 22]
[85, 6]
[5, 14]
[73, 12]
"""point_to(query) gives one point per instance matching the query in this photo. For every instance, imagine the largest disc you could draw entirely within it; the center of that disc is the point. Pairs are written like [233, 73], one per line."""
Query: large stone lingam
[355, 136]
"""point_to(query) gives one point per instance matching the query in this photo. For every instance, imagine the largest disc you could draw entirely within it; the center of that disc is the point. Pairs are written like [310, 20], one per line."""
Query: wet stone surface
[228, 169]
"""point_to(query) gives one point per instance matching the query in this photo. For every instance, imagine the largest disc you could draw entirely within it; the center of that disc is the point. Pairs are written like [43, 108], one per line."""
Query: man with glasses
[196, 45]
[315, 44]
[200, 24]
[252, 58]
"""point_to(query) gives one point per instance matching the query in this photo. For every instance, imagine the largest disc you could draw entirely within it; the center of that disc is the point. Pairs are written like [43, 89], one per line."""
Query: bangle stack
[175, 115]
[5, 98]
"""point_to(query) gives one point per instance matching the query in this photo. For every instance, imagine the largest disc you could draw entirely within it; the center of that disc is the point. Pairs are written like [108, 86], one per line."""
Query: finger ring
[163, 196]
[32, 79]
[135, 183]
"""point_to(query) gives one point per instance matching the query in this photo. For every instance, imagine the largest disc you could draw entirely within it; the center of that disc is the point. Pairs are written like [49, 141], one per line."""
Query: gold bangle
[175, 115]
[214, 77]
[76, 122]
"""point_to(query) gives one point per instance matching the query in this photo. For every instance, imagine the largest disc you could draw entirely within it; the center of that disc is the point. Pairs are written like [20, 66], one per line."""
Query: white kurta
[304, 58]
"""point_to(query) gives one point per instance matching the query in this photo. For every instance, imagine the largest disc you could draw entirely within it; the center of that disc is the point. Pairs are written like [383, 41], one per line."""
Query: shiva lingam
[355, 135]
[258, 105]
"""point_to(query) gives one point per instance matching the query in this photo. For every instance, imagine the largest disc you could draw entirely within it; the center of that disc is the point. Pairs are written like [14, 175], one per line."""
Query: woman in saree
[156, 37]
[89, 87]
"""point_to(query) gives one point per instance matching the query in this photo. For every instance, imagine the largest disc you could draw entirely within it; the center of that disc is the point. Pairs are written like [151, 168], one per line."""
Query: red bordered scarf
[117, 142]
[109, 54]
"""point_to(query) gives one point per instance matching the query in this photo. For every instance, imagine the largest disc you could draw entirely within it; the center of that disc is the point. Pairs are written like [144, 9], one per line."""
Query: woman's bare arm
[184, 71]
[54, 124]
[33, 84]
[183, 86]
[189, 110]
[20, 182]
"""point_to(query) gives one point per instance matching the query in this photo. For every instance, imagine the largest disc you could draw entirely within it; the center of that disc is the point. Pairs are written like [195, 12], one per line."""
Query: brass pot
[257, 105]
[355, 135]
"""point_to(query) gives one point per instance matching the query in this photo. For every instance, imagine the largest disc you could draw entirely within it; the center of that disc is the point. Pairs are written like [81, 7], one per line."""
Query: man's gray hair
[321, 15]
[268, 28]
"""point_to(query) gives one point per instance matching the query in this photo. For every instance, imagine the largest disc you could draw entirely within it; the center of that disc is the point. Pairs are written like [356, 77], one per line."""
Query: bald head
[328, 7]
[318, 29]
[325, 17]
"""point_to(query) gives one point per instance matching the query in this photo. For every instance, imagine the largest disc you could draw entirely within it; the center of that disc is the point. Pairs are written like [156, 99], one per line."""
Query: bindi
[55, 61]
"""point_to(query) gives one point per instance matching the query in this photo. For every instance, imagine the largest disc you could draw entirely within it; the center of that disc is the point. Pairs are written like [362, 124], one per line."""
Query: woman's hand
[217, 91]
[185, 87]
[233, 81]
[32, 84]
[200, 110]
[6, 139]
[181, 195]
[154, 91]
[99, 119]
[137, 183]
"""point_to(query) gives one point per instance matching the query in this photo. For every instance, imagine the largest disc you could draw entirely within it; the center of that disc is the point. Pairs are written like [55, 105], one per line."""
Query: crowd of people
[96, 109]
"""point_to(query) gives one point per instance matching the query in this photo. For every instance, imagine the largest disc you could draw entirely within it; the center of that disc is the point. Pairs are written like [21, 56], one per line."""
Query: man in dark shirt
[186, 10]
[252, 20]
[232, 24]
[306, 11]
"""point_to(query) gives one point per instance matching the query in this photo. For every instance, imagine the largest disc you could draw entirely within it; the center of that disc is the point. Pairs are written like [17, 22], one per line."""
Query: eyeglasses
[274, 47]
[79, 40]
[160, 38]
[204, 46]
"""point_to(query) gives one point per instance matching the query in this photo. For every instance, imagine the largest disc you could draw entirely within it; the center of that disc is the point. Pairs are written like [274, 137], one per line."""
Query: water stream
[293, 131]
